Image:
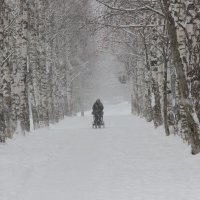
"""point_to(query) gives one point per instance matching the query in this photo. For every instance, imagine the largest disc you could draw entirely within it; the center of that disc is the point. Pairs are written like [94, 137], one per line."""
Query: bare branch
[7, 58]
[132, 10]
[131, 25]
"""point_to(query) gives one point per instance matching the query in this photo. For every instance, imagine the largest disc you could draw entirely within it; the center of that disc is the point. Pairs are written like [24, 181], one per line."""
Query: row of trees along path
[44, 42]
[158, 42]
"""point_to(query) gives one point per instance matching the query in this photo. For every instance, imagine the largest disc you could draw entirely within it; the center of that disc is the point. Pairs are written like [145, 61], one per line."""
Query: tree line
[159, 43]
[43, 45]
[44, 48]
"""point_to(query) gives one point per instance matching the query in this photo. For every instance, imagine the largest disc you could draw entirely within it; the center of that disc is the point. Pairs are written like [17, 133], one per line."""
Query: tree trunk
[189, 127]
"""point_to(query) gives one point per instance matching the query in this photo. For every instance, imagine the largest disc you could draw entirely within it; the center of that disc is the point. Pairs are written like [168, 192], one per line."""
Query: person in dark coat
[97, 109]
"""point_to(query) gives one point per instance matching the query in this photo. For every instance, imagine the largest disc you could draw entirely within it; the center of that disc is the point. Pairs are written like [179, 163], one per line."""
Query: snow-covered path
[128, 160]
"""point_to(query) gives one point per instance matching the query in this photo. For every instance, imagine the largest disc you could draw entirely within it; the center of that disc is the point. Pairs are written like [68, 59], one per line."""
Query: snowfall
[126, 160]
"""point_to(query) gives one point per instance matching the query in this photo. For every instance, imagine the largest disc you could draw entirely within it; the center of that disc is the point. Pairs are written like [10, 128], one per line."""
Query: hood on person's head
[98, 101]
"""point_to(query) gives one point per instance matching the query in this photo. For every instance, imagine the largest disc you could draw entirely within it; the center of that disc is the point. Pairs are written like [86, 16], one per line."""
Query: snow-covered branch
[143, 8]
[131, 25]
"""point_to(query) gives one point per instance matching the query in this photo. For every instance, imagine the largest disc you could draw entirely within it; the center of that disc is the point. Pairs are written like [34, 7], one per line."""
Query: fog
[101, 81]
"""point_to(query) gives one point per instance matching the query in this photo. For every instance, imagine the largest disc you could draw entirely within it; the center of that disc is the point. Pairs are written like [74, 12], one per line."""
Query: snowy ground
[128, 160]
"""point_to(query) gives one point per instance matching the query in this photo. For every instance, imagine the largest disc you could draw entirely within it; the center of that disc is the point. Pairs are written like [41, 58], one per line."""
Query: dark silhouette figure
[97, 111]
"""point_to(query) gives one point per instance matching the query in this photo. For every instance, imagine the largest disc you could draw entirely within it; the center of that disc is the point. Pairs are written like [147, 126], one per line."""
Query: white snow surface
[128, 160]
